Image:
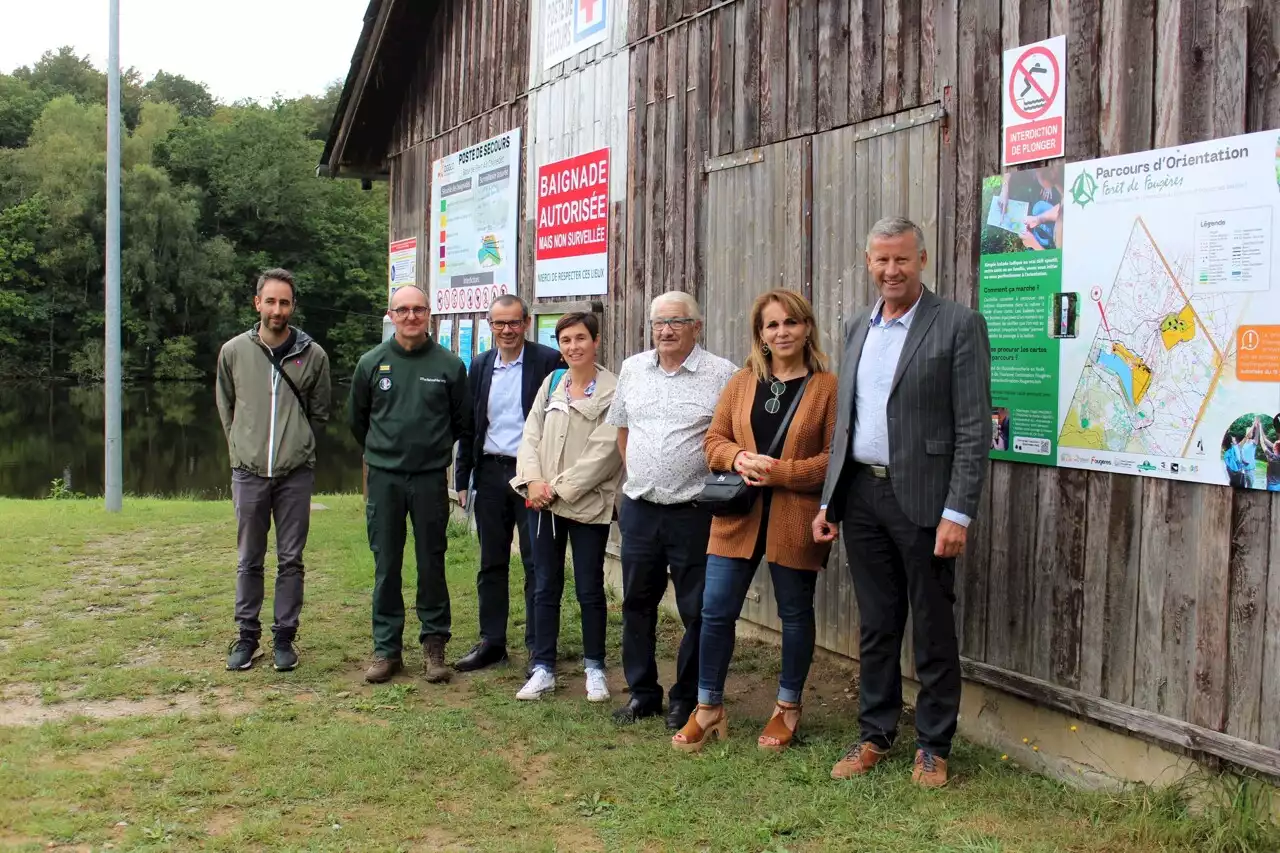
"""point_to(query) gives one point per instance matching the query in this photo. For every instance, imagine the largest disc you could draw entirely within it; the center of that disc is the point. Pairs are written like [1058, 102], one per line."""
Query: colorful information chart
[402, 266]
[474, 212]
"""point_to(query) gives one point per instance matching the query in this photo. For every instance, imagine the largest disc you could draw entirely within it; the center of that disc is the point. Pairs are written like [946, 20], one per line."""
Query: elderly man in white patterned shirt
[663, 406]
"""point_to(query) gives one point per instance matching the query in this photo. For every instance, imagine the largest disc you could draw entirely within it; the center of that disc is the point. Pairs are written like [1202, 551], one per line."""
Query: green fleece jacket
[265, 425]
[409, 407]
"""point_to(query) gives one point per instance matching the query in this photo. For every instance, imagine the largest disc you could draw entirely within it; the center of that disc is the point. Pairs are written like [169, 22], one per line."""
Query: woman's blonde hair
[796, 307]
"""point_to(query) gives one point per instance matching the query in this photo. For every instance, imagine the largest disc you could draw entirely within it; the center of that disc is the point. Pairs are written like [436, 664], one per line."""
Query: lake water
[173, 441]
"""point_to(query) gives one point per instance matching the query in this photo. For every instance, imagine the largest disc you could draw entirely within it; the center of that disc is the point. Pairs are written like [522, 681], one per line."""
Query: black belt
[506, 460]
[681, 505]
[880, 472]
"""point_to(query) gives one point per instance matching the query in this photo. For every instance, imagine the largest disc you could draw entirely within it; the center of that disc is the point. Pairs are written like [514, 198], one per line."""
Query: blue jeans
[551, 535]
[727, 583]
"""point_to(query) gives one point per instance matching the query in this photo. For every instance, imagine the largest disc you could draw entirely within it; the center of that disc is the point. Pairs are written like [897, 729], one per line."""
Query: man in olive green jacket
[410, 404]
[273, 392]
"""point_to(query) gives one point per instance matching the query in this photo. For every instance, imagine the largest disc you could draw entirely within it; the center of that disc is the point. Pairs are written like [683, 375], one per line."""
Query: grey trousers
[256, 500]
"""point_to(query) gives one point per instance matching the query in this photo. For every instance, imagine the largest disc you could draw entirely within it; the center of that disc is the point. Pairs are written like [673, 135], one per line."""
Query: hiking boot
[382, 669]
[858, 761]
[286, 659]
[240, 652]
[930, 771]
[434, 669]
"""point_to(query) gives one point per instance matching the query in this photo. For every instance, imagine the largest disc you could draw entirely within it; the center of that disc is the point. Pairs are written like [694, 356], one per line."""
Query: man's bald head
[411, 314]
[408, 296]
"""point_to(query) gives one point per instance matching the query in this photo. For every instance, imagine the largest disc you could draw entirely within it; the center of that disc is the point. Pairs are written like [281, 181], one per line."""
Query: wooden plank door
[862, 173]
[757, 240]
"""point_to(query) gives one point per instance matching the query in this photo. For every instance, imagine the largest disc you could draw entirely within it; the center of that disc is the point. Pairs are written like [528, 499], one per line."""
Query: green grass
[115, 629]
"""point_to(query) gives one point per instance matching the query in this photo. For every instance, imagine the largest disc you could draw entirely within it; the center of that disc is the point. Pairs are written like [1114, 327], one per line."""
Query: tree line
[211, 194]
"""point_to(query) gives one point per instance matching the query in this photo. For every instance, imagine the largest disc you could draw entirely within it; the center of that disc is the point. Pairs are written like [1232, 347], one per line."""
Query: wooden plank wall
[615, 42]
[1162, 596]
[469, 86]
[1131, 590]
[582, 110]
[1151, 593]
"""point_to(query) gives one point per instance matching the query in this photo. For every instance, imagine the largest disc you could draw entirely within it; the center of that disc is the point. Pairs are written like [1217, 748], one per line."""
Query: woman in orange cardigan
[784, 353]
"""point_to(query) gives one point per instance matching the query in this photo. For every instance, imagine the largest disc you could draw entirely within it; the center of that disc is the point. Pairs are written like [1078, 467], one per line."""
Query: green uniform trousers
[424, 498]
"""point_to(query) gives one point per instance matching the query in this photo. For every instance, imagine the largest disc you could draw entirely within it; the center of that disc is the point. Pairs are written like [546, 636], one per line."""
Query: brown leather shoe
[858, 760]
[433, 666]
[382, 669]
[930, 770]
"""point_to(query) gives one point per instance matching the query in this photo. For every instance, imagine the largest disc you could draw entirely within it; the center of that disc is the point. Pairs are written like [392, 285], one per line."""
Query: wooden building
[754, 142]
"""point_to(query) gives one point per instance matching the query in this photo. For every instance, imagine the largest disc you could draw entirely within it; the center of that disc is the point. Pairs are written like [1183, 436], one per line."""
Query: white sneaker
[540, 684]
[597, 686]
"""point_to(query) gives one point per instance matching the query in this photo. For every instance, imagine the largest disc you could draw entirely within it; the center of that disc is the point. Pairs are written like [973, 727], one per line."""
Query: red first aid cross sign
[1034, 94]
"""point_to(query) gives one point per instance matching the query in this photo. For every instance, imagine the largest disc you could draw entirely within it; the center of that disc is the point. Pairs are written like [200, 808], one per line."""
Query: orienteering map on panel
[1157, 357]
[1174, 370]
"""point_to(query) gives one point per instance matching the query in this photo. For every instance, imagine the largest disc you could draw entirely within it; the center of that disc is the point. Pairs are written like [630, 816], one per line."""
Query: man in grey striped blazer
[908, 463]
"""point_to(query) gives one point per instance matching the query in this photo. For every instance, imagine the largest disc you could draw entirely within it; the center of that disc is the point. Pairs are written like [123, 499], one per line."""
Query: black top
[764, 425]
[278, 353]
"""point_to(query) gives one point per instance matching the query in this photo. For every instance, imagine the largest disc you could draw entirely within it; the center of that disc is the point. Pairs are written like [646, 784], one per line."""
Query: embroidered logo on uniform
[384, 368]
[385, 383]
[431, 379]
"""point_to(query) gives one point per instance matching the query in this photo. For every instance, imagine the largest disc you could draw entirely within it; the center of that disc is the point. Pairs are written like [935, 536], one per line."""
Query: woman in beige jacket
[569, 469]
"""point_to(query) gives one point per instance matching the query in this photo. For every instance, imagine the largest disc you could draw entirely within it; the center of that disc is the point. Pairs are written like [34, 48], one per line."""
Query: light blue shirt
[879, 362]
[506, 409]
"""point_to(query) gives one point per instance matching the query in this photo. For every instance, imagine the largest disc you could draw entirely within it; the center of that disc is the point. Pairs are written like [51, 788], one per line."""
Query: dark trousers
[498, 509]
[552, 535]
[892, 563]
[257, 500]
[728, 581]
[424, 498]
[655, 538]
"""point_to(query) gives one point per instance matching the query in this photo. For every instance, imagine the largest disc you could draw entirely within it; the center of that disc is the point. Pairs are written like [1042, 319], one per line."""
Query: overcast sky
[238, 48]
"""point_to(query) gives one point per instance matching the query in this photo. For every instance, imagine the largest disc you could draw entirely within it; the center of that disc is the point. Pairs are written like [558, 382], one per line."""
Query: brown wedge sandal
[777, 729]
[696, 737]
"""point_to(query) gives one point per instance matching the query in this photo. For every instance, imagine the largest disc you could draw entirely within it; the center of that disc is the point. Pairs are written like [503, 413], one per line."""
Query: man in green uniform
[409, 405]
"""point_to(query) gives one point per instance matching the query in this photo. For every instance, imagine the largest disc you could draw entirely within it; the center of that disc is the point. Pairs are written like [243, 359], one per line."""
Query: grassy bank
[120, 727]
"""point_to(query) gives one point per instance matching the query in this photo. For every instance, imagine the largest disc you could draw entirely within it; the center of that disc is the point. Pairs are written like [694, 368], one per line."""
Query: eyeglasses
[676, 323]
[503, 325]
[405, 310]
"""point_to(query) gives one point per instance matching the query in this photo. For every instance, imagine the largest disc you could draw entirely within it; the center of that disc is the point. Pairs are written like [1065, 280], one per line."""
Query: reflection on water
[173, 441]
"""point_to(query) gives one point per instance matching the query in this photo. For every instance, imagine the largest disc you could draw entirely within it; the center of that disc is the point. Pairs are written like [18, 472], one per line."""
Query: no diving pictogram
[1034, 82]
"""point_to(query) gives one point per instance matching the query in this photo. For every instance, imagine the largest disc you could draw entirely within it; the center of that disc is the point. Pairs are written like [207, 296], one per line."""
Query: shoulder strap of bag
[556, 376]
[781, 434]
[292, 387]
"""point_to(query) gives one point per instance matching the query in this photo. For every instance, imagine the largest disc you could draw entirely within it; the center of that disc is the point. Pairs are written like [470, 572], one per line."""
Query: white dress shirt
[666, 416]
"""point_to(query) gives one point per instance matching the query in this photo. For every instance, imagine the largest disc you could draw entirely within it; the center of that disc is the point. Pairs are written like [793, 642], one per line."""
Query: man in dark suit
[504, 382]
[908, 463]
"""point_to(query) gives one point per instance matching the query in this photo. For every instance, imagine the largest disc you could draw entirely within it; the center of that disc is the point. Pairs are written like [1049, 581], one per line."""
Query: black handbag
[726, 492]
